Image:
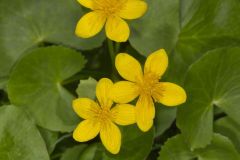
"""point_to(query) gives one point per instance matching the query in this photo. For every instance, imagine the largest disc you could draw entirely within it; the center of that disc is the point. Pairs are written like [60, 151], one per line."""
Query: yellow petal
[85, 107]
[86, 130]
[169, 94]
[124, 92]
[128, 67]
[103, 92]
[86, 3]
[111, 137]
[117, 29]
[90, 24]
[124, 114]
[156, 63]
[133, 9]
[145, 113]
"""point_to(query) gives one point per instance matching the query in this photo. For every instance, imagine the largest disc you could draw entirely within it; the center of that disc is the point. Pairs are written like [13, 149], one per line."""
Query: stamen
[104, 114]
[148, 83]
[109, 7]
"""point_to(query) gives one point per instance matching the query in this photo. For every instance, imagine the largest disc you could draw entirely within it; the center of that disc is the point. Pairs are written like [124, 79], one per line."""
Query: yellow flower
[145, 85]
[111, 12]
[101, 118]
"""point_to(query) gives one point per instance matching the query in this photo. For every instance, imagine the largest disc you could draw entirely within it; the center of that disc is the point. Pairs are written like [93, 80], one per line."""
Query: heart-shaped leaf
[35, 83]
[212, 81]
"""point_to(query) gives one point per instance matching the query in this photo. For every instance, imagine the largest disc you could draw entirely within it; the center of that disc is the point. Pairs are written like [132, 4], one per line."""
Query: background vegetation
[42, 62]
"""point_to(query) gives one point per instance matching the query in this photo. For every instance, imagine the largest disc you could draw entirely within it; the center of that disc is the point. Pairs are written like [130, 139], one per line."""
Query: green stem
[112, 53]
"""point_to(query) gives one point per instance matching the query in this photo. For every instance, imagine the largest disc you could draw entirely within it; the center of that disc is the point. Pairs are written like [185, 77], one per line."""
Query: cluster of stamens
[148, 83]
[109, 7]
[103, 115]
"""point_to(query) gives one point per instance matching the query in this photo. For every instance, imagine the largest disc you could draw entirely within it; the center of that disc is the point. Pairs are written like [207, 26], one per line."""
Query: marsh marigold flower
[111, 12]
[146, 85]
[101, 118]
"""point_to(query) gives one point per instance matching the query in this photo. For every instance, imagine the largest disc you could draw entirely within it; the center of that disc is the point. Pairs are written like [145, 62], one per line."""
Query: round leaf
[212, 81]
[35, 83]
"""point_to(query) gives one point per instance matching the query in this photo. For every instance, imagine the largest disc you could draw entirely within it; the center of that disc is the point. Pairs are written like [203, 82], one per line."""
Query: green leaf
[50, 138]
[83, 152]
[221, 148]
[19, 137]
[91, 153]
[35, 83]
[159, 27]
[136, 145]
[165, 116]
[74, 152]
[133, 141]
[176, 149]
[212, 81]
[187, 29]
[86, 88]
[230, 129]
[30, 23]
[205, 25]
[3, 83]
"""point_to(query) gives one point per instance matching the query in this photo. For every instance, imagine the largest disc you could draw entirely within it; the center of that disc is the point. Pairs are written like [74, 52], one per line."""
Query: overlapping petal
[156, 63]
[124, 114]
[86, 3]
[124, 91]
[128, 67]
[169, 94]
[111, 137]
[133, 9]
[85, 108]
[103, 89]
[117, 29]
[145, 112]
[86, 130]
[90, 24]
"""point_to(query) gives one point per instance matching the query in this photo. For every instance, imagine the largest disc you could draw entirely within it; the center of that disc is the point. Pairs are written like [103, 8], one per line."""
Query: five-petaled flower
[145, 85]
[101, 118]
[111, 12]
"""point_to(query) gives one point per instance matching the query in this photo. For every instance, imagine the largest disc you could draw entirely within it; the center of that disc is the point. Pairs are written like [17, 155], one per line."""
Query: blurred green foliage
[43, 66]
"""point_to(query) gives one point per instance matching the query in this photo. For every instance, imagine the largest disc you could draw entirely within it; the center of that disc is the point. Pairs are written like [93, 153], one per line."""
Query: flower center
[104, 115]
[148, 84]
[109, 7]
